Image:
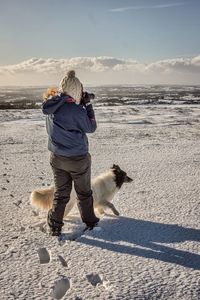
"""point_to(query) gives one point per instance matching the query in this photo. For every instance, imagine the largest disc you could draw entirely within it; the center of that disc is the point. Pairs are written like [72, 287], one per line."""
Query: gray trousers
[78, 170]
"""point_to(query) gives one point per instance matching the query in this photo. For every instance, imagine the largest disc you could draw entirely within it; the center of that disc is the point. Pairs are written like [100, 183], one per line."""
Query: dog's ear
[116, 167]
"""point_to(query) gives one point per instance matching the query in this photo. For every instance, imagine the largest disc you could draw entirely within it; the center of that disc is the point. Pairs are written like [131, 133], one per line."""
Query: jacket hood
[52, 105]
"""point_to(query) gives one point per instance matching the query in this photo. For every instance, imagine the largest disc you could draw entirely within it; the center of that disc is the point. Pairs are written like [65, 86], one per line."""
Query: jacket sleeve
[51, 105]
[87, 121]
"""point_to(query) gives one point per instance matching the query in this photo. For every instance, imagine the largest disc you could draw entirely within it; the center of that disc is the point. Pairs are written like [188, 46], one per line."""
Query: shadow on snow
[145, 239]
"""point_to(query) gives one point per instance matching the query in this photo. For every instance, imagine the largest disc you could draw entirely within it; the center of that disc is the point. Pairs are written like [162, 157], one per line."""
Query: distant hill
[31, 97]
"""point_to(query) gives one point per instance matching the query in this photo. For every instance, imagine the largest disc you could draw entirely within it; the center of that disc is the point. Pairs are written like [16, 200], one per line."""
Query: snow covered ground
[152, 251]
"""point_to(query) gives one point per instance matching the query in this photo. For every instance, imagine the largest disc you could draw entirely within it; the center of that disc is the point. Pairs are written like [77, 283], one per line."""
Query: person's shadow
[146, 239]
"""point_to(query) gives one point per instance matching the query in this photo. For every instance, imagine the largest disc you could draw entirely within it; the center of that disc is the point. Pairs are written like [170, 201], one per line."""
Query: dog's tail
[43, 198]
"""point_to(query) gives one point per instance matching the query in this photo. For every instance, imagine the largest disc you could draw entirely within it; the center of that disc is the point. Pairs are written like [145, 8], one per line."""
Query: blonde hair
[51, 92]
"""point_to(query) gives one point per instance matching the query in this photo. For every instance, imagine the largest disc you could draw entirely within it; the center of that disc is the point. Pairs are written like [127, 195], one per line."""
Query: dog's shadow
[146, 239]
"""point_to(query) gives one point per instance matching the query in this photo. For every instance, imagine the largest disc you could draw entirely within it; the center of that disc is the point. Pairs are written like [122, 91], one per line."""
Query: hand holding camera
[86, 97]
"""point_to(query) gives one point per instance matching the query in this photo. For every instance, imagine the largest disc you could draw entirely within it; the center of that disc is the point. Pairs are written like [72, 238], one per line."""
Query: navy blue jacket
[67, 124]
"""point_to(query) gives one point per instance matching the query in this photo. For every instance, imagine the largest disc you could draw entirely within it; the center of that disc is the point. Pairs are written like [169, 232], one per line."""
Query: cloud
[158, 6]
[53, 66]
[189, 65]
[100, 64]
[102, 70]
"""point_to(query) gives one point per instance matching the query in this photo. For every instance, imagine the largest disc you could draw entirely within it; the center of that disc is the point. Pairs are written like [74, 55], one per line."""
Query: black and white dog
[104, 188]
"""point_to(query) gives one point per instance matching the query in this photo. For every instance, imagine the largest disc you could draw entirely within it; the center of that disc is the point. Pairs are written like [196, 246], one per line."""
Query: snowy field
[152, 251]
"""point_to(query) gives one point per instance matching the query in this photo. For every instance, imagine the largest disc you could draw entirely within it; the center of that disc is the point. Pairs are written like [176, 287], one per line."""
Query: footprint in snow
[44, 256]
[16, 203]
[94, 279]
[35, 213]
[63, 261]
[97, 281]
[60, 288]
[42, 225]
[22, 229]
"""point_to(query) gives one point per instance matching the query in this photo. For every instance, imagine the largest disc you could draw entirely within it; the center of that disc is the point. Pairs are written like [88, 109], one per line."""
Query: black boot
[54, 227]
[90, 225]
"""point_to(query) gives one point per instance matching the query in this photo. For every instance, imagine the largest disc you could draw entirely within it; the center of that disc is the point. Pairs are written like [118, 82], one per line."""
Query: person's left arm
[86, 121]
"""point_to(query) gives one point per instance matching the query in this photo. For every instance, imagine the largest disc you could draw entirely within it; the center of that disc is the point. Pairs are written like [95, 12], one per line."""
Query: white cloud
[100, 64]
[53, 66]
[139, 7]
[189, 65]
[102, 70]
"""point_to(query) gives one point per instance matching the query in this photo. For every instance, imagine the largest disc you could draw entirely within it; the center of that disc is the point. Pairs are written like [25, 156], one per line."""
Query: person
[69, 116]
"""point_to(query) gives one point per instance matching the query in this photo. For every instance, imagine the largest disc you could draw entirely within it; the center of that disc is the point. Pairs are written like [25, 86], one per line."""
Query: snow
[150, 252]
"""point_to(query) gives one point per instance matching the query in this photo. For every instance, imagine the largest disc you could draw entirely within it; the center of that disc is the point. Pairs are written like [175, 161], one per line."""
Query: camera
[86, 97]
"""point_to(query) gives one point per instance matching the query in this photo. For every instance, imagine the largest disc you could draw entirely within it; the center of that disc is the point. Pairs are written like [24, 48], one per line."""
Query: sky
[105, 41]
